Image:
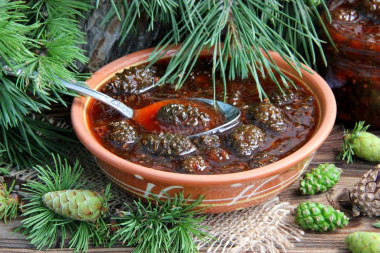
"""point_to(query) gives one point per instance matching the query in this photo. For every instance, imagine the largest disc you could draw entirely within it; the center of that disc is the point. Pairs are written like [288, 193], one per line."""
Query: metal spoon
[231, 113]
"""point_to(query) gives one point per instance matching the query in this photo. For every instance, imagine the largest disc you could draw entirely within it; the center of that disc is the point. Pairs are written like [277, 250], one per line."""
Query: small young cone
[83, 205]
[320, 179]
[318, 217]
[8, 203]
[359, 242]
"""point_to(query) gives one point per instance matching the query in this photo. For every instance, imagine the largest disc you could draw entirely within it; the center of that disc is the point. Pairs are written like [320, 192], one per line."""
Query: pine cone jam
[278, 127]
[354, 68]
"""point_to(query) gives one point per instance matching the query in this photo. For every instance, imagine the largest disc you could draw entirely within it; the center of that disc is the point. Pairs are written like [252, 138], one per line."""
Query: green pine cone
[320, 179]
[363, 242]
[366, 146]
[318, 217]
[9, 203]
[83, 205]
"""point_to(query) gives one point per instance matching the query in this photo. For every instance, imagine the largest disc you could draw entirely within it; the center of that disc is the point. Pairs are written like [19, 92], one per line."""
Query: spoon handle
[116, 104]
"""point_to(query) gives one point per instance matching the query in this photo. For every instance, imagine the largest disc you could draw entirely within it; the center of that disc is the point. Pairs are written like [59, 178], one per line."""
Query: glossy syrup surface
[297, 106]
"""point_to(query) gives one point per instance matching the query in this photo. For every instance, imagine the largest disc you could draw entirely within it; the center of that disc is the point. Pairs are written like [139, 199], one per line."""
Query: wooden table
[333, 241]
[312, 242]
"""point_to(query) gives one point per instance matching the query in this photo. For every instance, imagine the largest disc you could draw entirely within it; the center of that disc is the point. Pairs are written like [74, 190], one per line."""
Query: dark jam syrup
[353, 70]
[301, 114]
[355, 25]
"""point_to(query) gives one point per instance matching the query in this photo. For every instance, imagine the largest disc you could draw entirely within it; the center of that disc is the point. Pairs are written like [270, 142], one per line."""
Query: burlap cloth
[268, 227]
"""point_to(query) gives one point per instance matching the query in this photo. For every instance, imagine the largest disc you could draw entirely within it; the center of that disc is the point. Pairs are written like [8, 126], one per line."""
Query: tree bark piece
[103, 41]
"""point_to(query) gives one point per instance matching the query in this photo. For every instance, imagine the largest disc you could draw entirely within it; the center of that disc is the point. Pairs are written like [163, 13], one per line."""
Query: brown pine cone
[182, 115]
[196, 165]
[365, 196]
[135, 80]
[261, 159]
[280, 99]
[207, 141]
[168, 144]
[123, 135]
[245, 139]
[269, 115]
[218, 155]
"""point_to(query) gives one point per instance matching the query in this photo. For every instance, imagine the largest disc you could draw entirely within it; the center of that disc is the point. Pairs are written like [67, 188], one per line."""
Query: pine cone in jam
[207, 142]
[196, 165]
[280, 99]
[168, 144]
[123, 135]
[219, 155]
[365, 196]
[245, 139]
[269, 115]
[182, 115]
[262, 159]
[135, 80]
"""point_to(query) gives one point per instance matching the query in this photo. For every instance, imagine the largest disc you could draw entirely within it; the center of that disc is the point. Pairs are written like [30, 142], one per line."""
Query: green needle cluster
[239, 32]
[163, 226]
[39, 41]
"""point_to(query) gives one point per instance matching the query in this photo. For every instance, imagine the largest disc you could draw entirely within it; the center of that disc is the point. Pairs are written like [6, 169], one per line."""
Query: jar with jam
[353, 70]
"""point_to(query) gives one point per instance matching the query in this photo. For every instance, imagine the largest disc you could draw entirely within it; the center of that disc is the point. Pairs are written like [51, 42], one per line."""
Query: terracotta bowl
[222, 193]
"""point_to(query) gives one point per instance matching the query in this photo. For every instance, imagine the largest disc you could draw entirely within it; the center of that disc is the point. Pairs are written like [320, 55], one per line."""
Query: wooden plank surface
[312, 242]
[333, 241]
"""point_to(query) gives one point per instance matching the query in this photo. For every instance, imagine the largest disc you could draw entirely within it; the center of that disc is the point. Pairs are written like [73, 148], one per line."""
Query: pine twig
[9, 202]
[161, 226]
[348, 138]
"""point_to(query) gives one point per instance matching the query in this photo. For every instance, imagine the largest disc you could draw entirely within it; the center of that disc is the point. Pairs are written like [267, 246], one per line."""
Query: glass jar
[353, 70]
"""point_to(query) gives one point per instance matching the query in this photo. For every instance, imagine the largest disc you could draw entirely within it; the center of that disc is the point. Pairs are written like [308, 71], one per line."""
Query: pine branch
[160, 11]
[299, 29]
[9, 202]
[165, 226]
[42, 226]
[4, 168]
[14, 42]
[160, 226]
[40, 41]
[240, 32]
[31, 141]
[59, 37]
[16, 104]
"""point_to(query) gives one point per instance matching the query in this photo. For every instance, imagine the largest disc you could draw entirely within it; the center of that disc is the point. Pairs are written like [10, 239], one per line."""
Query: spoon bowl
[230, 113]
